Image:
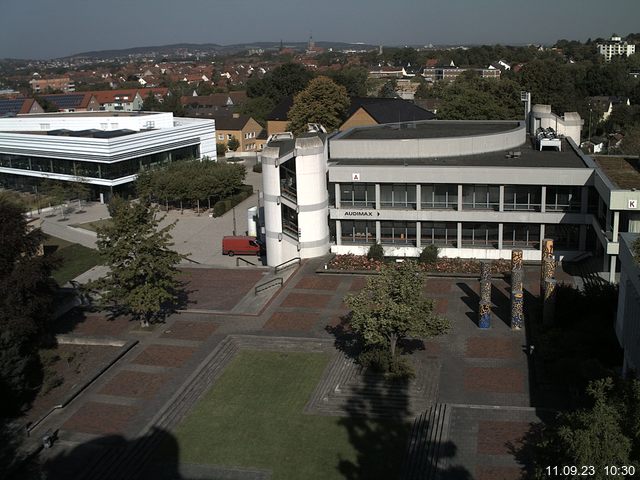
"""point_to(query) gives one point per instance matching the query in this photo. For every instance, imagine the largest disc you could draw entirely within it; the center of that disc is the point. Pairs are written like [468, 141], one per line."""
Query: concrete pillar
[378, 235]
[612, 270]
[582, 238]
[543, 199]
[541, 234]
[337, 194]
[500, 235]
[377, 196]
[501, 204]
[459, 198]
[418, 235]
[459, 239]
[584, 200]
[418, 197]
[338, 232]
[616, 225]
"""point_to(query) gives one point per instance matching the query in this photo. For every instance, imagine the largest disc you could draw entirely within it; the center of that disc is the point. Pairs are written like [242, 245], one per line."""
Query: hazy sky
[54, 28]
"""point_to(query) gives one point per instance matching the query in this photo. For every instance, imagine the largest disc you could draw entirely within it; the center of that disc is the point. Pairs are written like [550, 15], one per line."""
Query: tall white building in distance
[614, 47]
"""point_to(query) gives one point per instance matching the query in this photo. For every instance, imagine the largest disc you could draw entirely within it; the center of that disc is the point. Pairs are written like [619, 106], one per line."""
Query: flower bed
[442, 265]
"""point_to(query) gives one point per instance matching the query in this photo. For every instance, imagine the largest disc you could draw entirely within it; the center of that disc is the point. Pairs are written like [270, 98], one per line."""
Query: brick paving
[100, 419]
[500, 438]
[292, 321]
[498, 380]
[189, 330]
[493, 347]
[134, 384]
[477, 367]
[218, 289]
[164, 355]
[307, 300]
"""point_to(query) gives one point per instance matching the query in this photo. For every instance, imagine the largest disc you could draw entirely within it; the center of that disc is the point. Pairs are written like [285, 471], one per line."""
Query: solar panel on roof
[10, 106]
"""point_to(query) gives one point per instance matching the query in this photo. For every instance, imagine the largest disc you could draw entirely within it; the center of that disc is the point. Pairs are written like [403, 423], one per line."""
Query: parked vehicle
[241, 245]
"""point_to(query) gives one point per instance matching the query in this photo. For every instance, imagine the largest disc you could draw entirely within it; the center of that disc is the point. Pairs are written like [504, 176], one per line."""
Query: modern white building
[475, 189]
[103, 149]
[615, 47]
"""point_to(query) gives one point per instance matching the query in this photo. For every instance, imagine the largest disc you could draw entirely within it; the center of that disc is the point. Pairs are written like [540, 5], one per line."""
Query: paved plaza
[482, 376]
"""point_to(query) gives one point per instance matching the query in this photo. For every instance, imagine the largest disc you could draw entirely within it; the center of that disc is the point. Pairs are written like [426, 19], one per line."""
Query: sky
[41, 29]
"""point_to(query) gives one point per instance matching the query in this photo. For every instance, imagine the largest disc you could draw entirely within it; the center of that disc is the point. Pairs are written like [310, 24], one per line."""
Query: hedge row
[223, 206]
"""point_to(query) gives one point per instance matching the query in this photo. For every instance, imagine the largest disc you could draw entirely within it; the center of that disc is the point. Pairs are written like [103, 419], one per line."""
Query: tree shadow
[389, 440]
[109, 456]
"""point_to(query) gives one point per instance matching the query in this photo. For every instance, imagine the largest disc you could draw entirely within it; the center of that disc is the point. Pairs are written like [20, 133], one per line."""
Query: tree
[142, 278]
[323, 101]
[26, 302]
[392, 307]
[258, 109]
[631, 141]
[233, 144]
[388, 90]
[284, 81]
[354, 79]
[221, 149]
[606, 433]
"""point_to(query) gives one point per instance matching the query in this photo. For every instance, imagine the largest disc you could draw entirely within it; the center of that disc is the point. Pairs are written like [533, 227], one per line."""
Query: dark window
[565, 237]
[441, 234]
[480, 197]
[480, 234]
[563, 199]
[521, 235]
[403, 233]
[522, 197]
[358, 195]
[358, 231]
[438, 196]
[289, 221]
[398, 195]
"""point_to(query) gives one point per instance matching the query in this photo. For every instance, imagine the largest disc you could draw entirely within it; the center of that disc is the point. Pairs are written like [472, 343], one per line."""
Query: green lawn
[93, 226]
[75, 259]
[253, 417]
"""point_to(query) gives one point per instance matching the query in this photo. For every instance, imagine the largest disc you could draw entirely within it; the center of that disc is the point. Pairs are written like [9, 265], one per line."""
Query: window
[289, 221]
[522, 197]
[441, 234]
[563, 199]
[229, 136]
[479, 234]
[358, 231]
[358, 195]
[439, 196]
[521, 235]
[220, 137]
[398, 195]
[480, 197]
[44, 126]
[288, 184]
[398, 233]
[565, 237]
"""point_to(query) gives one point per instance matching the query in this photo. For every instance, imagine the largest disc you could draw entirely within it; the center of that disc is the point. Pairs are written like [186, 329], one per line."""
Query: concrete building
[43, 85]
[615, 47]
[628, 315]
[103, 149]
[475, 189]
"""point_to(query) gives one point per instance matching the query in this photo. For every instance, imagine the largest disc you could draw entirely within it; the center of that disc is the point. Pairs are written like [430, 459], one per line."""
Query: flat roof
[624, 172]
[101, 113]
[529, 157]
[428, 129]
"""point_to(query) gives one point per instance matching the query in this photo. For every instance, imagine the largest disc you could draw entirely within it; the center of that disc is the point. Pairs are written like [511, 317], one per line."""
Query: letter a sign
[355, 177]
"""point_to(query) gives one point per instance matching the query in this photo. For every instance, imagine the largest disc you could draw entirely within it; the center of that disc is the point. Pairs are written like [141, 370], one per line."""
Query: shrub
[376, 252]
[257, 168]
[219, 209]
[429, 254]
[379, 359]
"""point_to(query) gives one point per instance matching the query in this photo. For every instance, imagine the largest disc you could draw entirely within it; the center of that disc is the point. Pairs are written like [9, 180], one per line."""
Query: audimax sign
[360, 213]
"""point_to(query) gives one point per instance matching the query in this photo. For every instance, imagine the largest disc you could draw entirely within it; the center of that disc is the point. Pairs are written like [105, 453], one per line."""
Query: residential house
[10, 107]
[606, 105]
[241, 127]
[73, 102]
[215, 105]
[43, 85]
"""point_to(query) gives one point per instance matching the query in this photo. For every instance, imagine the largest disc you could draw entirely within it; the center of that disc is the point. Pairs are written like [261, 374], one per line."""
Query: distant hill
[204, 48]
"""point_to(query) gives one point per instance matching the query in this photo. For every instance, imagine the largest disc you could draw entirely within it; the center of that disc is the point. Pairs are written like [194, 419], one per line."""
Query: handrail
[287, 264]
[240, 259]
[268, 284]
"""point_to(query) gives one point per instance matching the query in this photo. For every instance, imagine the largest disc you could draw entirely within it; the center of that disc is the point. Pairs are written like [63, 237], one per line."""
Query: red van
[240, 246]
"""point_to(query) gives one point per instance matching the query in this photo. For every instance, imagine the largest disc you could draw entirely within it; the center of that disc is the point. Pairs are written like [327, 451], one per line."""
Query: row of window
[474, 197]
[445, 234]
[108, 171]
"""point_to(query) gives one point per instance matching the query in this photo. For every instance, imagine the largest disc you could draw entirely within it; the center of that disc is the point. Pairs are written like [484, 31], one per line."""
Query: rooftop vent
[548, 138]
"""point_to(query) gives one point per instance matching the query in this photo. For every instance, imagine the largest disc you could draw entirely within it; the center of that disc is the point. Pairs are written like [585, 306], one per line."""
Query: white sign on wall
[355, 177]
[632, 203]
